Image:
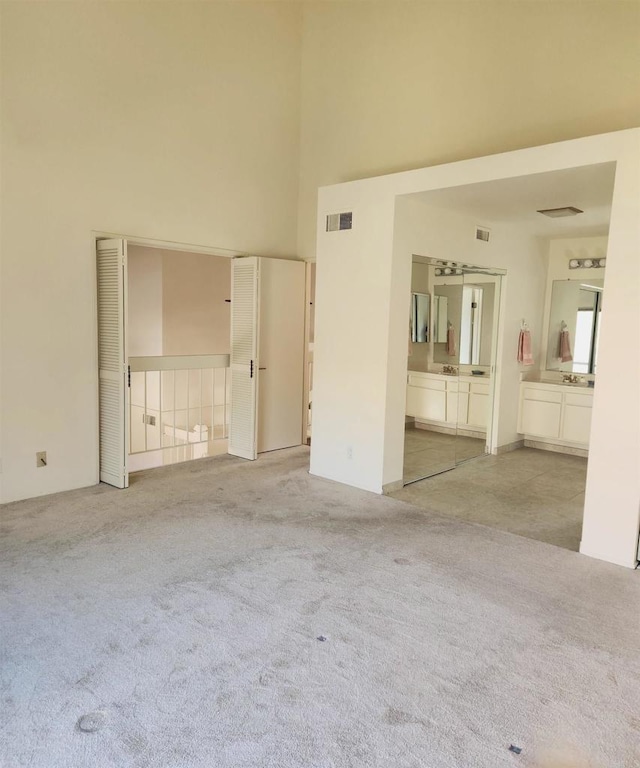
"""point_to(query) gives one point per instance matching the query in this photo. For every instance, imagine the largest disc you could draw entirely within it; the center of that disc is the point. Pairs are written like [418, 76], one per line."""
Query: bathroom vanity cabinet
[556, 414]
[448, 401]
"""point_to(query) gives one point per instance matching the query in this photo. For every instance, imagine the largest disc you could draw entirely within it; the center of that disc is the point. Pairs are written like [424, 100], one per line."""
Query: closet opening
[179, 346]
[200, 353]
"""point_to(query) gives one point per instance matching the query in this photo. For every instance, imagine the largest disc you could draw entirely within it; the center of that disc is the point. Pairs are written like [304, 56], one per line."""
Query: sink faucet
[570, 378]
[450, 369]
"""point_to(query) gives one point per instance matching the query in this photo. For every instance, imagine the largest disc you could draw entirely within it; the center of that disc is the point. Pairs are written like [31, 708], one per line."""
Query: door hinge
[251, 370]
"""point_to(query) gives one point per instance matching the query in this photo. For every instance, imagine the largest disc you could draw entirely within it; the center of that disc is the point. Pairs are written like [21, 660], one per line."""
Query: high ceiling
[518, 200]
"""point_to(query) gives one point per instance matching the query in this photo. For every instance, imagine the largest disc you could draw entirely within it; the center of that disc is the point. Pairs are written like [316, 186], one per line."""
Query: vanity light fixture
[587, 263]
[558, 213]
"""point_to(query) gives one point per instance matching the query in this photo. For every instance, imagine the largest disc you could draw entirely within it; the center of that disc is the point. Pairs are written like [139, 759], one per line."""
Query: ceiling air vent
[482, 233]
[559, 213]
[337, 221]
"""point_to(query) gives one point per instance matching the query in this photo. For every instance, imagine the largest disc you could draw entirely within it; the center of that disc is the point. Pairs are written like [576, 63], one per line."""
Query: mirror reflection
[420, 303]
[449, 389]
[440, 318]
[574, 325]
[465, 326]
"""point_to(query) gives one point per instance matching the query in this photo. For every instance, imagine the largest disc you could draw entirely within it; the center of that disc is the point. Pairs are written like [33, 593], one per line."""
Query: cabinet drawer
[574, 398]
[479, 389]
[543, 395]
[424, 383]
[457, 386]
[540, 419]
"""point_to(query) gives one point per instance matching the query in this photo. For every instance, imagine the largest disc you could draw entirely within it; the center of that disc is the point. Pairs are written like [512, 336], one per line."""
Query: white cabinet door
[460, 413]
[477, 414]
[425, 403]
[540, 418]
[576, 424]
[413, 402]
[456, 401]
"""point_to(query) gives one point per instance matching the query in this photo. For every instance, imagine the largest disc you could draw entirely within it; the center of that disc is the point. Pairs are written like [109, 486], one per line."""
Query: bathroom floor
[529, 492]
[428, 452]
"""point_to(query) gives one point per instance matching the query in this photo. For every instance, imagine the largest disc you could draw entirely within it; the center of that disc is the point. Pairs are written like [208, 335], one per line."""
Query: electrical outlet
[41, 459]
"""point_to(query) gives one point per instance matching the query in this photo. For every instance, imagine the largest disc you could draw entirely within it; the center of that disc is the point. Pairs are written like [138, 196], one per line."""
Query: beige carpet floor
[227, 614]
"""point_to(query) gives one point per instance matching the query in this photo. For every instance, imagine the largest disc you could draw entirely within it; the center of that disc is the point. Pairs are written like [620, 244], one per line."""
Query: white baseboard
[542, 445]
[607, 557]
[435, 428]
[396, 485]
[507, 447]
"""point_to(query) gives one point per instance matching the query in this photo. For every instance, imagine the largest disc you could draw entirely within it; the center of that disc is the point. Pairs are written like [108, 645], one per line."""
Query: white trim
[169, 245]
[177, 362]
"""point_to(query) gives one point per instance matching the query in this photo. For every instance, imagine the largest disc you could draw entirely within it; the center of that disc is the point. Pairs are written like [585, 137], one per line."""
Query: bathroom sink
[541, 380]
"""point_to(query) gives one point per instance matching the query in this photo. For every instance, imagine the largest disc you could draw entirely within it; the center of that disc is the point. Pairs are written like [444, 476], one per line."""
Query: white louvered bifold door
[244, 357]
[113, 361]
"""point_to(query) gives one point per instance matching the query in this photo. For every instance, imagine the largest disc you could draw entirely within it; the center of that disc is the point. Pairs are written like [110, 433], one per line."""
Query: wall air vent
[338, 221]
[482, 233]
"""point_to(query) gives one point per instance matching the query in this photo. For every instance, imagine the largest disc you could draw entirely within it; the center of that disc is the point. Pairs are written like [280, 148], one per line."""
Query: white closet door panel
[111, 258]
[244, 357]
[281, 369]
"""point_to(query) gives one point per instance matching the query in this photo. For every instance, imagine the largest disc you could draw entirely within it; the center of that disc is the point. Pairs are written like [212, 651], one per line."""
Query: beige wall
[201, 122]
[401, 85]
[177, 302]
[144, 301]
[172, 121]
[196, 318]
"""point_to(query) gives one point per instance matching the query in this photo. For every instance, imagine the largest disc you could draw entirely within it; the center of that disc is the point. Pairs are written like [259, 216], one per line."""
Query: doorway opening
[178, 337]
[552, 298]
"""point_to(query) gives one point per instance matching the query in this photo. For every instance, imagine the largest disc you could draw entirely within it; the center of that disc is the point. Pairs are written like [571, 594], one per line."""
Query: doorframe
[370, 458]
[148, 242]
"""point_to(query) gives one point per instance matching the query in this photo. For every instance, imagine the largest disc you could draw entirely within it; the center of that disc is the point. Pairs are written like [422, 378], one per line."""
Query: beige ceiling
[517, 200]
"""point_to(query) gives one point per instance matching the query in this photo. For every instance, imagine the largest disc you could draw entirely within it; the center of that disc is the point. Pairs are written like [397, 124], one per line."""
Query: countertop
[556, 383]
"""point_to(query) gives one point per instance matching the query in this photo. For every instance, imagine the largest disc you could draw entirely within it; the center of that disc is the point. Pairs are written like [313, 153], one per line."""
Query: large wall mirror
[574, 325]
[468, 310]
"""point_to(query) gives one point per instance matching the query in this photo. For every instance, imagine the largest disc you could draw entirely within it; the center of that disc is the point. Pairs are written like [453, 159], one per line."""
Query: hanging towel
[525, 356]
[451, 341]
[564, 347]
